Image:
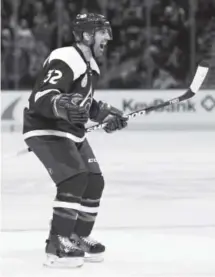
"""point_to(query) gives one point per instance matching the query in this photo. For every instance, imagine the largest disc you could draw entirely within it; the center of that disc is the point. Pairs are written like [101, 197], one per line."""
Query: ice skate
[61, 252]
[94, 250]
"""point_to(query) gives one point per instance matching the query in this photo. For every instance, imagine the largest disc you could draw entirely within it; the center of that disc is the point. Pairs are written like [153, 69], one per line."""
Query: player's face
[101, 40]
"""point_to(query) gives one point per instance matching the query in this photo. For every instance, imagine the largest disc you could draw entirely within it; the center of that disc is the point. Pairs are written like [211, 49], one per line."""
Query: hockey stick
[17, 154]
[198, 80]
[181, 98]
[193, 89]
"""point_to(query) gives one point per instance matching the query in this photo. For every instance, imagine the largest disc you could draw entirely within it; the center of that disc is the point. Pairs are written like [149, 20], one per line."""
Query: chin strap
[92, 44]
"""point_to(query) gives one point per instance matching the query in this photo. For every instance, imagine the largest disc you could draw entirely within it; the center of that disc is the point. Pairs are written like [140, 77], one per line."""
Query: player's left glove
[103, 112]
[114, 117]
[116, 123]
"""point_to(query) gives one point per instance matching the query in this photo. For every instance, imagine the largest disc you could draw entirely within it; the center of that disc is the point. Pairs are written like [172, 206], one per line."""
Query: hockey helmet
[90, 23]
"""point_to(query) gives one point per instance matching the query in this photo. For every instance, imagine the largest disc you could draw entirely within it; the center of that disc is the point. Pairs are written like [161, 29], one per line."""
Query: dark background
[157, 43]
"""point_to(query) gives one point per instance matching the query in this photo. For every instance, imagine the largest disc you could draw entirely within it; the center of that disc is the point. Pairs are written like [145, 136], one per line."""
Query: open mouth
[103, 45]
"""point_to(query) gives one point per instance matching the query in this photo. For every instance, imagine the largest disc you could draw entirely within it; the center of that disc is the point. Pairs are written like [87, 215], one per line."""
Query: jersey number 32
[53, 76]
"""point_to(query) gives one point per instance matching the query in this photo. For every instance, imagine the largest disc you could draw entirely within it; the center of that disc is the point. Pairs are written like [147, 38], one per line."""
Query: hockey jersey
[64, 71]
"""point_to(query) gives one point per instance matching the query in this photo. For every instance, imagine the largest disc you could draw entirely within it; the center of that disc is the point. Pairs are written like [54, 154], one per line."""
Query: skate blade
[56, 262]
[94, 258]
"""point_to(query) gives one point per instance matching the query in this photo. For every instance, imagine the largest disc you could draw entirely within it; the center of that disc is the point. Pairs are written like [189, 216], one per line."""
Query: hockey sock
[67, 204]
[89, 205]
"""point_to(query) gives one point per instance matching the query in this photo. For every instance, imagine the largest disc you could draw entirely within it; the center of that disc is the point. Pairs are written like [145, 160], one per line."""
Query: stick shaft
[176, 100]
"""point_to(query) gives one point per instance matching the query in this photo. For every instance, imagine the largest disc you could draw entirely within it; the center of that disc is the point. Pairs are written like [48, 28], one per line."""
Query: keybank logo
[8, 112]
[208, 103]
[132, 105]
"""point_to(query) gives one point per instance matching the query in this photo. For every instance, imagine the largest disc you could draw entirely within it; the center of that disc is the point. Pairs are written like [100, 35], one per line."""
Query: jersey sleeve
[94, 109]
[56, 77]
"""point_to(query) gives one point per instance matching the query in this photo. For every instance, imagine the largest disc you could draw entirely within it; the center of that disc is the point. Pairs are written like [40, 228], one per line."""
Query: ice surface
[157, 216]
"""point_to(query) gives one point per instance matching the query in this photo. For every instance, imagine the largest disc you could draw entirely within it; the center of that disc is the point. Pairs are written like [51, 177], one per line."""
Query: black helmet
[89, 22]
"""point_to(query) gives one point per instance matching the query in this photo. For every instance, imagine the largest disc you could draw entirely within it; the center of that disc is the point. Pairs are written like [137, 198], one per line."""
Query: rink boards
[195, 113]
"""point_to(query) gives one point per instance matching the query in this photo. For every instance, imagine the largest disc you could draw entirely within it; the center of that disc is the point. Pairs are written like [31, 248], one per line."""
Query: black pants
[62, 157]
[74, 169]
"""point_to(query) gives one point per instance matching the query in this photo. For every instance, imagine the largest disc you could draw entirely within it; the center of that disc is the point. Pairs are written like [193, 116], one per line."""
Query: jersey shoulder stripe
[71, 57]
[94, 65]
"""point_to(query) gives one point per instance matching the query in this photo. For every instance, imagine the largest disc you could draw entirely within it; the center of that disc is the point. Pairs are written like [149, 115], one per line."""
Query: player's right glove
[66, 106]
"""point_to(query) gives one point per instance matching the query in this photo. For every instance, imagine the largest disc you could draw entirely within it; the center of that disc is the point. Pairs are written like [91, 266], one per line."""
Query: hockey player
[60, 104]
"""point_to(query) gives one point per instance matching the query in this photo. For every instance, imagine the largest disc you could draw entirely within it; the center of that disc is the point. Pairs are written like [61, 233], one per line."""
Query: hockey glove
[105, 110]
[116, 123]
[66, 106]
